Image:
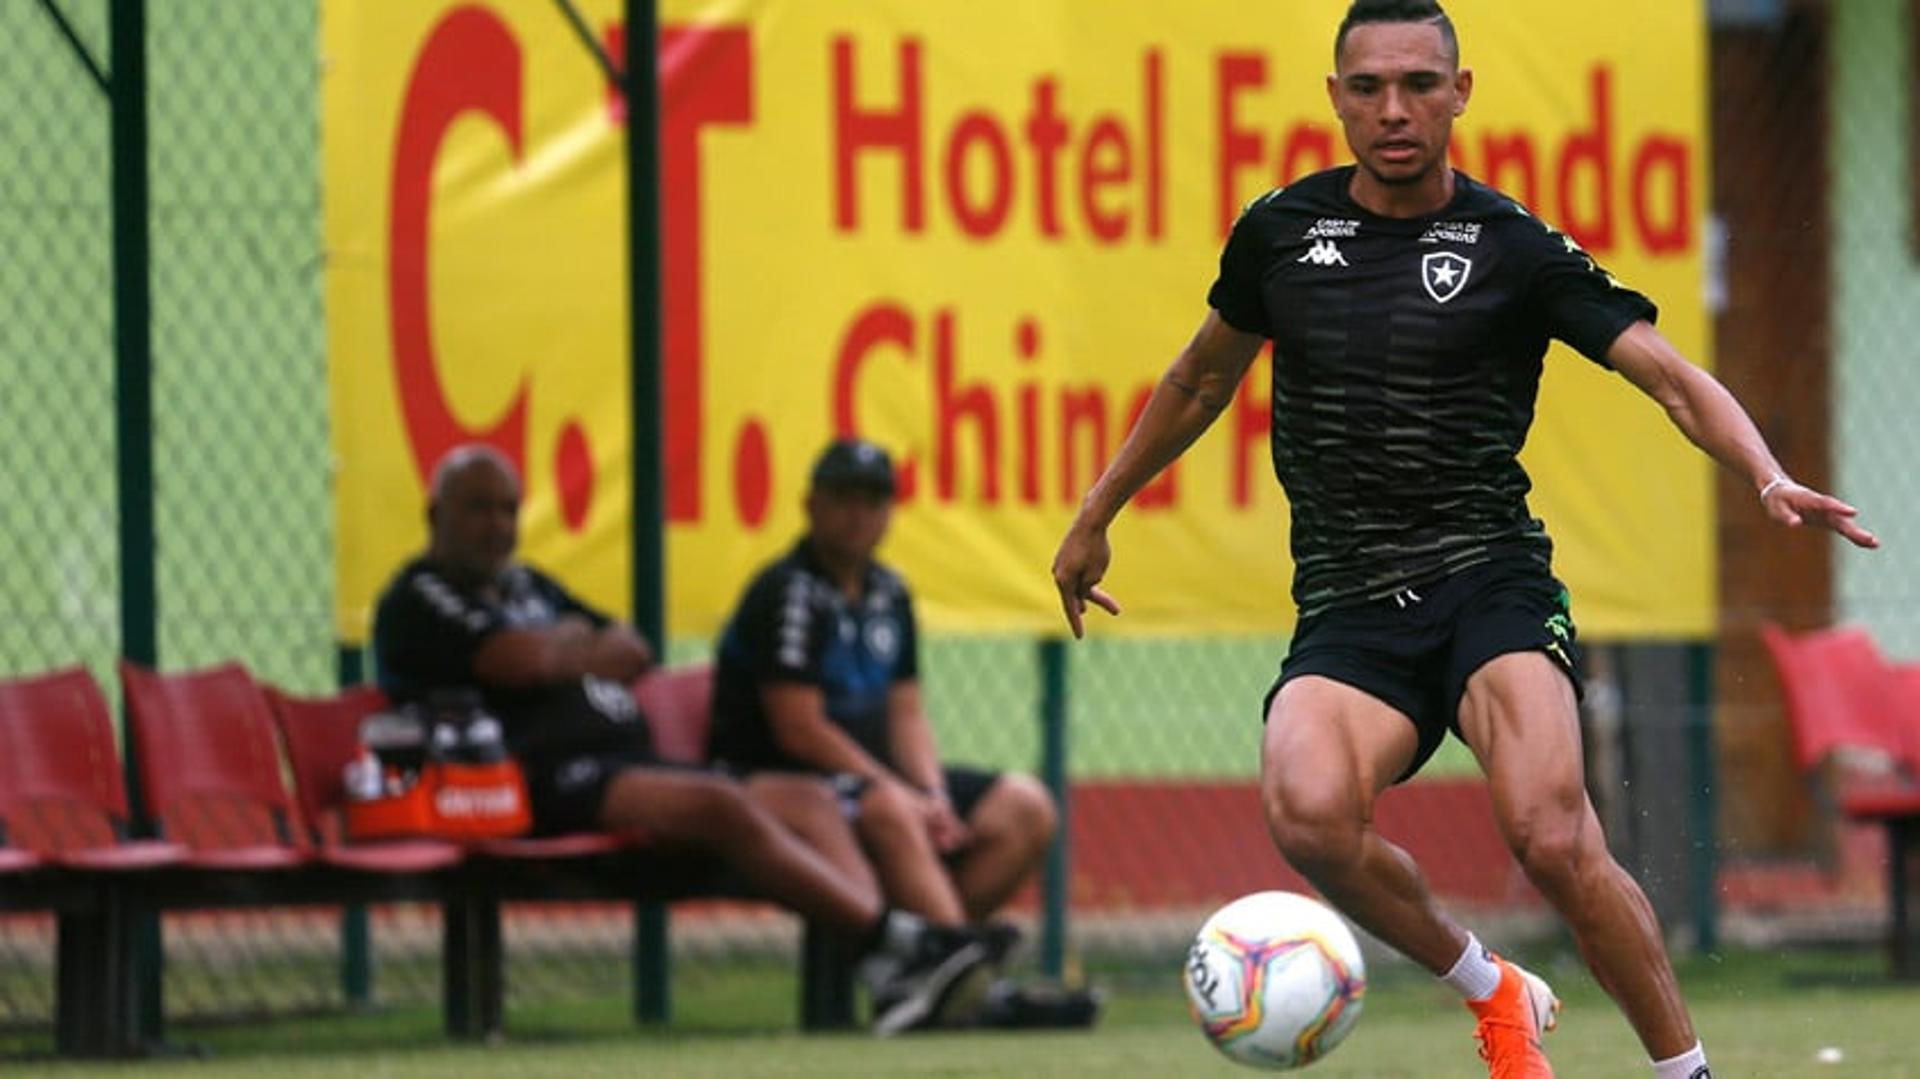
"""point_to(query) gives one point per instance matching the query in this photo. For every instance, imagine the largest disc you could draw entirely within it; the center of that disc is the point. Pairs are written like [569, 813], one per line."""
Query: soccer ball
[1275, 980]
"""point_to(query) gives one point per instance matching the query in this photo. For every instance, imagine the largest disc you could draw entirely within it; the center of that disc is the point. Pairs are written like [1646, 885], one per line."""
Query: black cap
[853, 464]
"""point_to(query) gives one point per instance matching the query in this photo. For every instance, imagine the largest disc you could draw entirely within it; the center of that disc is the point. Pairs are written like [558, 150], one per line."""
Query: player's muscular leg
[911, 873]
[707, 812]
[809, 809]
[1329, 751]
[1520, 717]
[1010, 830]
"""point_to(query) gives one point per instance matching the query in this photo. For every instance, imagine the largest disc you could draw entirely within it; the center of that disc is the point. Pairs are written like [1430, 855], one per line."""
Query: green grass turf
[1760, 1015]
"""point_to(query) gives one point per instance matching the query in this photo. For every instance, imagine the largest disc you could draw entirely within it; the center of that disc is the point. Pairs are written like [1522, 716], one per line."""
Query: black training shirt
[795, 625]
[1407, 356]
[427, 629]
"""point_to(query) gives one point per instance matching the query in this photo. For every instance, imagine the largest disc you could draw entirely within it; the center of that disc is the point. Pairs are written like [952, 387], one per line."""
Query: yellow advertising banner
[974, 232]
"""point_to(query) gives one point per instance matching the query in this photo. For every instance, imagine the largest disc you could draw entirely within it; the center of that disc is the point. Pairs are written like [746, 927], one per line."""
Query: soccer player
[466, 615]
[1409, 309]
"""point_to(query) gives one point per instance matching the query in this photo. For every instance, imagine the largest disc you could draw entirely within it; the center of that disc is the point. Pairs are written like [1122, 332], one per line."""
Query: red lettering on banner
[706, 78]
[1507, 163]
[1585, 198]
[1671, 231]
[898, 130]
[1082, 408]
[881, 324]
[977, 219]
[1105, 160]
[1154, 91]
[1027, 348]
[953, 406]
[1239, 147]
[1121, 185]
[1077, 424]
[1307, 149]
[1046, 133]
[470, 63]
[1588, 151]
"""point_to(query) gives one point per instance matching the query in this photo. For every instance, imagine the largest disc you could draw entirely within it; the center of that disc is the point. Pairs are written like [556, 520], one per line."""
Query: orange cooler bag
[450, 800]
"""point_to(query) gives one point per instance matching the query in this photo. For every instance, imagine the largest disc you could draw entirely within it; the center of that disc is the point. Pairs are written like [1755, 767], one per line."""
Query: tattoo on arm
[1193, 392]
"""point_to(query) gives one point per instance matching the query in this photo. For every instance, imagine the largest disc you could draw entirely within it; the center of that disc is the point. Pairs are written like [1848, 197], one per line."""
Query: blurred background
[266, 259]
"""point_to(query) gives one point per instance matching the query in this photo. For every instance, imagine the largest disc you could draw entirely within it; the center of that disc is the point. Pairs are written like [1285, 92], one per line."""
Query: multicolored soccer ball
[1275, 980]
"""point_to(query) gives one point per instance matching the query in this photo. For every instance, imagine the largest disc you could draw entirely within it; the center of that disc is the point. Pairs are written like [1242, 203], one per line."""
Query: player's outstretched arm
[1709, 415]
[1198, 386]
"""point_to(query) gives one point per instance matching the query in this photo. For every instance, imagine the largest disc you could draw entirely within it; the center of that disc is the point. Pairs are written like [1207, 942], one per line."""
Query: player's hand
[1793, 504]
[948, 831]
[1077, 569]
[944, 827]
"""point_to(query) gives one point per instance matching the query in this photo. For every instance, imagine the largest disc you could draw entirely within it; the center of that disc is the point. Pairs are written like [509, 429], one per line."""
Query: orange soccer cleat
[1512, 1022]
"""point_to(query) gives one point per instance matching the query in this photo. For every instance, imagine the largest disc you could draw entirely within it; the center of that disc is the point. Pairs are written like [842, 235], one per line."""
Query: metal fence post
[1704, 864]
[1053, 772]
[651, 1001]
[356, 932]
[133, 431]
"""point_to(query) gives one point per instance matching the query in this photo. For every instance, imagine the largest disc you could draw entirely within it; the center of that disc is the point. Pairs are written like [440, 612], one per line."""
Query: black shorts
[1415, 651]
[966, 787]
[567, 789]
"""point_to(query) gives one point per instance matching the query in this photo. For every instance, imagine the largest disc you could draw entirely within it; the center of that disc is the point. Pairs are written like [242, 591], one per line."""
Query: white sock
[1691, 1064]
[1474, 975]
[900, 931]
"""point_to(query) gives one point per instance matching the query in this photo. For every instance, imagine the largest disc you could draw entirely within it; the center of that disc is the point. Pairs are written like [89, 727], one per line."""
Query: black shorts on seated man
[558, 674]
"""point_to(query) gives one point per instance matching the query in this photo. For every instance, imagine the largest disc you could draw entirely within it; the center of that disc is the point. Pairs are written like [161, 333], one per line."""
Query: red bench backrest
[1839, 691]
[322, 734]
[678, 703]
[61, 786]
[209, 758]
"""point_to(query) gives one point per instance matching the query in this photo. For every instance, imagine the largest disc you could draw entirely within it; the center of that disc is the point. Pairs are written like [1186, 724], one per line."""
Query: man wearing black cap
[818, 671]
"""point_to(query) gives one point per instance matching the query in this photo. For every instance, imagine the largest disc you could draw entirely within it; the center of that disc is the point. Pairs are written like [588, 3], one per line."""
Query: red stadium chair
[1854, 720]
[63, 808]
[63, 798]
[322, 734]
[210, 768]
[1907, 685]
[679, 708]
[1843, 699]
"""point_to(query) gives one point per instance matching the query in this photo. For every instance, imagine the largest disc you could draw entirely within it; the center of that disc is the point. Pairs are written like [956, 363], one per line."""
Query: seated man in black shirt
[558, 676]
[818, 672]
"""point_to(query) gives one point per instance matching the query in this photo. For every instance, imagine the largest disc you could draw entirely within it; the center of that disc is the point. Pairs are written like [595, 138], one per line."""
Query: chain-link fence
[1815, 199]
[59, 583]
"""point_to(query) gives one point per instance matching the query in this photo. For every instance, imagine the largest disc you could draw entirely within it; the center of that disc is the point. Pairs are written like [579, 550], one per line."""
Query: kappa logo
[1324, 253]
[1444, 274]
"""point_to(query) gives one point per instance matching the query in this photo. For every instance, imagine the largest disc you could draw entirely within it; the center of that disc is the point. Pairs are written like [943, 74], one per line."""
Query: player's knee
[888, 815]
[1032, 809]
[1552, 848]
[1317, 831]
[810, 800]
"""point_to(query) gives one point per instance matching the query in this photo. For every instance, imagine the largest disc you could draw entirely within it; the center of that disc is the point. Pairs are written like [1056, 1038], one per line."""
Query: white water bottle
[362, 777]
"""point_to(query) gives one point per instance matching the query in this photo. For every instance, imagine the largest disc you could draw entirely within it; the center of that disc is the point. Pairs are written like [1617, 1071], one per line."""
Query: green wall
[1876, 319]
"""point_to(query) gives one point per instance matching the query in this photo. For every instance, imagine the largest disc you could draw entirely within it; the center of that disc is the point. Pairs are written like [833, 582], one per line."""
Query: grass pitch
[1760, 1015]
